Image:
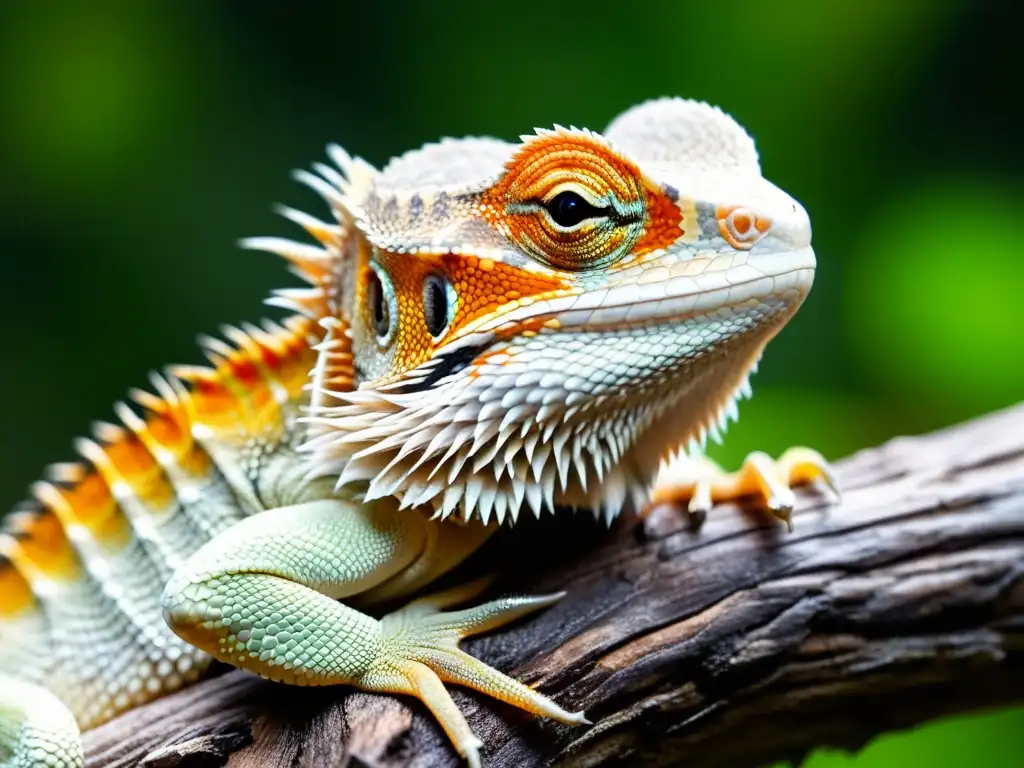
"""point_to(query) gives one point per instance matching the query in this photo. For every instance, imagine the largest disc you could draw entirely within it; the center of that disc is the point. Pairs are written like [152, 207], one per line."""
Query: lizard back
[83, 562]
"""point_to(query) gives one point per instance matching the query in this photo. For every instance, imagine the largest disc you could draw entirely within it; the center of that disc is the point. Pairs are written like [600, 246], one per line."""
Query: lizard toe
[697, 484]
[420, 652]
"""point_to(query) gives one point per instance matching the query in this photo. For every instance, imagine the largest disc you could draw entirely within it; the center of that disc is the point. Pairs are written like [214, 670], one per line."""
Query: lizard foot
[267, 595]
[421, 652]
[698, 483]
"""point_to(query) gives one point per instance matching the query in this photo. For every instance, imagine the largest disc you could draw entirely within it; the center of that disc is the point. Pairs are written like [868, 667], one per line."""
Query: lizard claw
[699, 483]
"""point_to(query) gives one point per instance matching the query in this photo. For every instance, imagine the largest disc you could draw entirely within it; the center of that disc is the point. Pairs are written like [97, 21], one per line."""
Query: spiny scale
[439, 448]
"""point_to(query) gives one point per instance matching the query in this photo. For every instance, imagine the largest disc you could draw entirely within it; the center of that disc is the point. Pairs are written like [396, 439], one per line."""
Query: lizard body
[489, 329]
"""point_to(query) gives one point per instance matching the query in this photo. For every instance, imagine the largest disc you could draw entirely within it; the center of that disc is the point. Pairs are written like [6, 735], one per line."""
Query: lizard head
[543, 323]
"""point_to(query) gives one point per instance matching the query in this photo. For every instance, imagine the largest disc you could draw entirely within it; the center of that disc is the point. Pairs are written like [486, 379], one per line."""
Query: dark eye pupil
[378, 306]
[435, 305]
[568, 209]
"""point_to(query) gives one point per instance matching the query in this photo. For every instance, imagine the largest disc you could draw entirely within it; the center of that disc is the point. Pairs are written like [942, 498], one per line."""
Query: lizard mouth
[713, 287]
[715, 301]
[749, 289]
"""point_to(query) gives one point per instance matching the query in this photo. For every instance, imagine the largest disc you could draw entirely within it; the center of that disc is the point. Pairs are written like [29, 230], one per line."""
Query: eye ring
[382, 304]
[440, 302]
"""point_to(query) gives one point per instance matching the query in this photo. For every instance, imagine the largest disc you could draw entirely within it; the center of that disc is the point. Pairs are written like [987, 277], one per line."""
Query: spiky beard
[489, 440]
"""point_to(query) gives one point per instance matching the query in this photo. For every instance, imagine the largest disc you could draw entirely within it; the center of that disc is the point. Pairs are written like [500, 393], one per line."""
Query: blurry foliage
[139, 140]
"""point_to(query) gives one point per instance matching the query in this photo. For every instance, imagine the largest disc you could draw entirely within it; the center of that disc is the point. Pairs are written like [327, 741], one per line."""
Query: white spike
[129, 418]
[452, 495]
[310, 223]
[533, 497]
[512, 450]
[330, 175]
[489, 411]
[429, 493]
[562, 457]
[339, 157]
[540, 460]
[473, 489]
[599, 461]
[518, 414]
[458, 441]
[610, 513]
[516, 503]
[530, 444]
[547, 486]
[485, 458]
[332, 196]
[215, 345]
[483, 432]
[459, 462]
[500, 507]
[579, 463]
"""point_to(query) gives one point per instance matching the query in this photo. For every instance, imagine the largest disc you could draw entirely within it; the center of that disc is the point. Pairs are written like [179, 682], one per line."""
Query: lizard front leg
[698, 483]
[264, 596]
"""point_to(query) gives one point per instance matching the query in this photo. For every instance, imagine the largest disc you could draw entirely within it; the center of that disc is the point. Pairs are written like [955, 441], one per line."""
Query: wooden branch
[735, 645]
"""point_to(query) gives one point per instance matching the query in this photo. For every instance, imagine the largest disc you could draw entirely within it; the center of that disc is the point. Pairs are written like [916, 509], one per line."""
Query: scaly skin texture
[489, 328]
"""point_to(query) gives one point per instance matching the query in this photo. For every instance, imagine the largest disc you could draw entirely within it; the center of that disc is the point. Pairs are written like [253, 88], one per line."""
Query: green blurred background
[139, 140]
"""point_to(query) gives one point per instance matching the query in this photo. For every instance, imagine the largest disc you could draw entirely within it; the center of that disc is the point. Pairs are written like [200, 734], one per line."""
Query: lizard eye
[567, 209]
[570, 201]
[439, 302]
[382, 303]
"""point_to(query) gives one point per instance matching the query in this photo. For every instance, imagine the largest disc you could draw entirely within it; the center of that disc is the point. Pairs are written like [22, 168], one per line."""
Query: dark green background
[139, 140]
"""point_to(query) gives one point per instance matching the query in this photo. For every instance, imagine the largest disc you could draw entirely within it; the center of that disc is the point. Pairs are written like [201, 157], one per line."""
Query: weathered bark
[735, 645]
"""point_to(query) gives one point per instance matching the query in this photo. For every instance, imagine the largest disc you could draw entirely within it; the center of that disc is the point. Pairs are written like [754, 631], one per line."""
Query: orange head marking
[572, 201]
[411, 305]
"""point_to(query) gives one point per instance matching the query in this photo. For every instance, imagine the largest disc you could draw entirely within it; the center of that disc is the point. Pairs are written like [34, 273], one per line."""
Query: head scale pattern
[511, 399]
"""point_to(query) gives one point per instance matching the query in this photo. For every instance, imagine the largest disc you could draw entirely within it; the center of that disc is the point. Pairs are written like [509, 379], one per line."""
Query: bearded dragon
[489, 330]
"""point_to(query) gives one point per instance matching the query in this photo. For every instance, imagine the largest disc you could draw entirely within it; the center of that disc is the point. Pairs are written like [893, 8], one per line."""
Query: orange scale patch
[238, 398]
[137, 467]
[483, 286]
[15, 592]
[42, 547]
[172, 434]
[405, 273]
[90, 503]
[214, 405]
[663, 224]
[288, 354]
[243, 379]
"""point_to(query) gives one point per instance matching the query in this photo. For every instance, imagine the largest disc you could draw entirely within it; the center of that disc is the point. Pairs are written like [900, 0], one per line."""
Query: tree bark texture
[737, 644]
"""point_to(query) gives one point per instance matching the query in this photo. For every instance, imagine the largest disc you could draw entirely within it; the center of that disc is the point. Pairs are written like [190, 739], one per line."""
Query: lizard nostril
[741, 227]
[740, 222]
